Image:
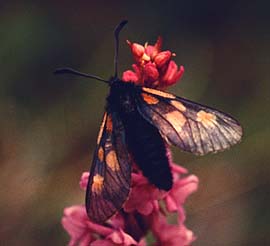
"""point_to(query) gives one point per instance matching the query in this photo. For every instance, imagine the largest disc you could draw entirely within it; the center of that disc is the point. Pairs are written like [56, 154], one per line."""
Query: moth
[137, 124]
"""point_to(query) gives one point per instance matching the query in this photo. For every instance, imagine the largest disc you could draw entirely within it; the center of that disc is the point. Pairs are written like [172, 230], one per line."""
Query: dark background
[49, 124]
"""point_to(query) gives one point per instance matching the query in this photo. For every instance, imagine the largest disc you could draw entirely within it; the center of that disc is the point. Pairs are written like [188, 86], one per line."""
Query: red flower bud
[137, 50]
[153, 50]
[151, 73]
[162, 58]
[130, 76]
[172, 74]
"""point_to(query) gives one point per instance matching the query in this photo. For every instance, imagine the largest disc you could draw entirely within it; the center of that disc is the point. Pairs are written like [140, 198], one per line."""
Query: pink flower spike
[84, 180]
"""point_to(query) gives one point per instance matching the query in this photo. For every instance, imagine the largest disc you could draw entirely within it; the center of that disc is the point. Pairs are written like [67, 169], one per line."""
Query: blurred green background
[49, 124]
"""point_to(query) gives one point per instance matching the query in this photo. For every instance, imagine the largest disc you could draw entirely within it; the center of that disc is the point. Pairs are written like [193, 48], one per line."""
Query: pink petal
[122, 237]
[84, 180]
[172, 74]
[178, 169]
[99, 229]
[153, 50]
[143, 195]
[146, 208]
[180, 191]
[171, 204]
[185, 187]
[168, 234]
[179, 74]
[86, 240]
[102, 242]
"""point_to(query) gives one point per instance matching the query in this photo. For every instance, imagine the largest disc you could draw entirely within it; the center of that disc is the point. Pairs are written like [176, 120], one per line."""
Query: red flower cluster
[144, 210]
[153, 68]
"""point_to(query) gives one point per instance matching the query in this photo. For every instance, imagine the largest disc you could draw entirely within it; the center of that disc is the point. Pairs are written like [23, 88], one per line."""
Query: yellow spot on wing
[111, 161]
[207, 119]
[101, 154]
[178, 105]
[158, 93]
[177, 119]
[97, 184]
[101, 128]
[149, 99]
[109, 124]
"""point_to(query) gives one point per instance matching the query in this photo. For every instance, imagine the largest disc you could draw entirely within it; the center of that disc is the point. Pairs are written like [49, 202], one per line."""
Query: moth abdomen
[148, 150]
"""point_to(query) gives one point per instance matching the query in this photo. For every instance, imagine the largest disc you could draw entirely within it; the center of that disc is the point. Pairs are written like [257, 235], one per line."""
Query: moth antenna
[68, 70]
[116, 39]
[75, 72]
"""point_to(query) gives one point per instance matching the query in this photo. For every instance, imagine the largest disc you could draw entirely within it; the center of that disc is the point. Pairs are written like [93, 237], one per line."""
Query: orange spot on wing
[97, 184]
[178, 105]
[177, 119]
[111, 161]
[158, 93]
[207, 119]
[101, 154]
[149, 99]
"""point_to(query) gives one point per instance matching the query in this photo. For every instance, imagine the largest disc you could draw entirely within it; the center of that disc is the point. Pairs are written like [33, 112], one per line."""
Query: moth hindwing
[109, 181]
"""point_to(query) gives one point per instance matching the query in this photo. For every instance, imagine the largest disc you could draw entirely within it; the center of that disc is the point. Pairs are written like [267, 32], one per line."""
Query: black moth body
[137, 125]
[143, 139]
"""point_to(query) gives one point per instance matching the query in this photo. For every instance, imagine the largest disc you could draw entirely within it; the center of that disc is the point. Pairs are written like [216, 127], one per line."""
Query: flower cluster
[147, 207]
[142, 212]
[153, 68]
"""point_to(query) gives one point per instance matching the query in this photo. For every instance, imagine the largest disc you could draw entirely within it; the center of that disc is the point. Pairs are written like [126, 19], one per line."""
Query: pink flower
[153, 68]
